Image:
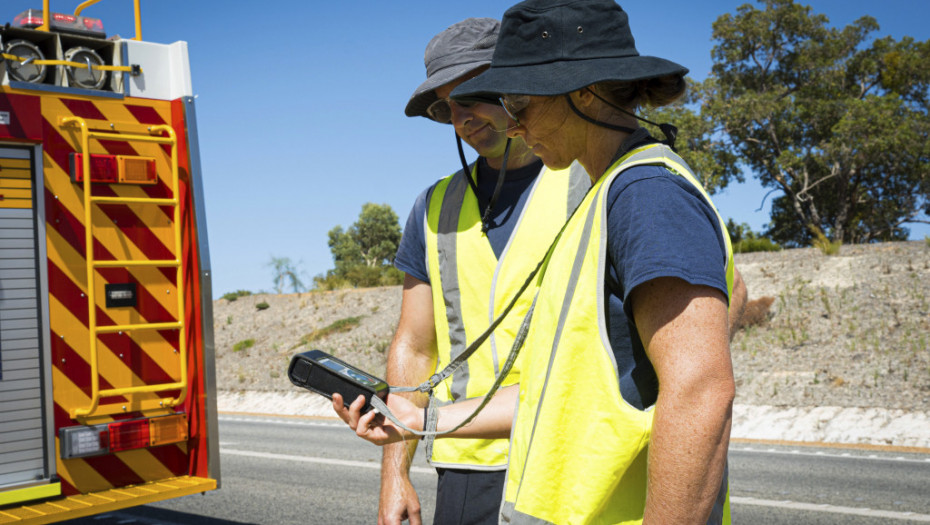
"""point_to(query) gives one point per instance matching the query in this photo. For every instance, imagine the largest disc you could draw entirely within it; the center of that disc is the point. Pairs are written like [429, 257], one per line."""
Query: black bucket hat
[552, 47]
[452, 54]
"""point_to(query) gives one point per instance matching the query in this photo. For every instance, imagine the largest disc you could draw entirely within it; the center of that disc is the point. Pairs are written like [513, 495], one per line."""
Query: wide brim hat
[459, 50]
[552, 47]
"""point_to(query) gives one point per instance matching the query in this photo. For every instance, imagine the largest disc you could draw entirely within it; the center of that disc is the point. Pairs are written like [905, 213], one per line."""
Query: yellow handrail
[182, 385]
[47, 62]
[45, 12]
[88, 3]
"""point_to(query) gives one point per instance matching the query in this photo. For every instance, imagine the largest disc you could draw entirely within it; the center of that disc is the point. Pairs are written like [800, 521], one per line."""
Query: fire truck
[107, 381]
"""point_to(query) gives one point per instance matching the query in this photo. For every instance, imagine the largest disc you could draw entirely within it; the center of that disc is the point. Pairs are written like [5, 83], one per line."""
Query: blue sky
[300, 108]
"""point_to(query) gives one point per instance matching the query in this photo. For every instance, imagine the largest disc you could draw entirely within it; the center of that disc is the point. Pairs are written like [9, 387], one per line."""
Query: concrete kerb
[804, 425]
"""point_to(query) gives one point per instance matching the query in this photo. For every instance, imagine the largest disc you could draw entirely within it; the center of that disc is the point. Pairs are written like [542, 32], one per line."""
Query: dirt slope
[851, 330]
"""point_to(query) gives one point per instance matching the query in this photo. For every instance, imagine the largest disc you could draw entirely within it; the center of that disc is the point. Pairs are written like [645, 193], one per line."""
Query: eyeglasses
[441, 109]
[514, 104]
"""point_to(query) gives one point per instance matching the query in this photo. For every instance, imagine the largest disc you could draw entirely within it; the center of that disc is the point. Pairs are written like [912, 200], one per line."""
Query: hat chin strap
[486, 216]
[670, 131]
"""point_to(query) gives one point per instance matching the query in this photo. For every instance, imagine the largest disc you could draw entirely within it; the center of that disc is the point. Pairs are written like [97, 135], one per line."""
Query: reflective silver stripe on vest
[579, 182]
[566, 302]
[449, 215]
[511, 516]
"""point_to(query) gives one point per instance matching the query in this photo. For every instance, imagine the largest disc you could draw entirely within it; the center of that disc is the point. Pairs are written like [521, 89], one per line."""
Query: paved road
[285, 471]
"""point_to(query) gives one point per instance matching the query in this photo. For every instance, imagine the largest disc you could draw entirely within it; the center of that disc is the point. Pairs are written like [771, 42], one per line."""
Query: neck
[604, 130]
[602, 145]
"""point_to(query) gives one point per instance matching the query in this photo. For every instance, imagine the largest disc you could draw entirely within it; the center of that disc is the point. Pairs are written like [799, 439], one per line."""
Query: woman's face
[547, 130]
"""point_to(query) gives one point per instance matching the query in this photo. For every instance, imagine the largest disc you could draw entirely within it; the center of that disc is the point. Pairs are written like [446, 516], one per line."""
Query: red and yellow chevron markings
[119, 231]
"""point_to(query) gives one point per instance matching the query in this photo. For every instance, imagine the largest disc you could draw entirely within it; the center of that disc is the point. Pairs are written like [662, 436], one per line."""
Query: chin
[555, 164]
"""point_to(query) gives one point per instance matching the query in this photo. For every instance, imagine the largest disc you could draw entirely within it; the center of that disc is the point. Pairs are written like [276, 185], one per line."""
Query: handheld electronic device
[324, 374]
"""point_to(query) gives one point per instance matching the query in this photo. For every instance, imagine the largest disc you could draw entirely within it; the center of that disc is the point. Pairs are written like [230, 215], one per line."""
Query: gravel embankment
[843, 354]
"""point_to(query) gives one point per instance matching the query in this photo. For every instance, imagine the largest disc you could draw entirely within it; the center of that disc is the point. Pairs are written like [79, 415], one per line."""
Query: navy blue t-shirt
[658, 225]
[411, 253]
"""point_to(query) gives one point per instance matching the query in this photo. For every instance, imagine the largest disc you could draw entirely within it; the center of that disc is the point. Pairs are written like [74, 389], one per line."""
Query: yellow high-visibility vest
[471, 287]
[578, 449]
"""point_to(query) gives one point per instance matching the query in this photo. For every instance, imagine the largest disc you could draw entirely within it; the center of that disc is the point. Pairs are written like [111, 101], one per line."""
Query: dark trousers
[469, 497]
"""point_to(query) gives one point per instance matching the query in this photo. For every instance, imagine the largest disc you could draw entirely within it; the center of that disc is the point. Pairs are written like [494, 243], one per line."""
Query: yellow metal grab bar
[128, 69]
[88, 3]
[96, 394]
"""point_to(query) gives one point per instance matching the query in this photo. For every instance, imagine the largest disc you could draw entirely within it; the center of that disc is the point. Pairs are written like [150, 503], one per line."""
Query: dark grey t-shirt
[411, 253]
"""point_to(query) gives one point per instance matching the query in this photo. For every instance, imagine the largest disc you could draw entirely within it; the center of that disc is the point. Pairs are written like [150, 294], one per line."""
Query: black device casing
[306, 370]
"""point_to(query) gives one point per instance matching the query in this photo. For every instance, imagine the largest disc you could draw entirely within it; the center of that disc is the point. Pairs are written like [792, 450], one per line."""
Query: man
[466, 252]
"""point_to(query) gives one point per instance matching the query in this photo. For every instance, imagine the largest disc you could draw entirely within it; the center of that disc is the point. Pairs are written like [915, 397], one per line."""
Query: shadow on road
[146, 515]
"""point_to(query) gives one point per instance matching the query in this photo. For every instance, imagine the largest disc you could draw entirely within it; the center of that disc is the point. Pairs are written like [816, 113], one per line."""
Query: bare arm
[737, 302]
[684, 329]
[411, 359]
[494, 420]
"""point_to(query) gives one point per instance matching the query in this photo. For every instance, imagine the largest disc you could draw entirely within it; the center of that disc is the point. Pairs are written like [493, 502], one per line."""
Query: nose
[461, 115]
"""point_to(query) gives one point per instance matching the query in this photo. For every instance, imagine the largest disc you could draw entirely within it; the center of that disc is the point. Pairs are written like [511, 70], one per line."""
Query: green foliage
[232, 296]
[285, 273]
[761, 244]
[364, 254]
[744, 240]
[825, 245]
[262, 305]
[243, 345]
[342, 325]
[927, 240]
[699, 140]
[832, 117]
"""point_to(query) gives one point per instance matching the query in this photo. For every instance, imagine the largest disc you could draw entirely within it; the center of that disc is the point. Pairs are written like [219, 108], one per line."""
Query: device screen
[349, 372]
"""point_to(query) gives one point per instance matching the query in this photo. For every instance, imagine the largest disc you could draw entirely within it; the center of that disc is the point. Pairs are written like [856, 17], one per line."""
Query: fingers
[364, 423]
[350, 415]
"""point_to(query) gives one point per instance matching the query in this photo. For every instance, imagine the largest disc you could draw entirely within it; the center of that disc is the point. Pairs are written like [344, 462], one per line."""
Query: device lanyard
[429, 426]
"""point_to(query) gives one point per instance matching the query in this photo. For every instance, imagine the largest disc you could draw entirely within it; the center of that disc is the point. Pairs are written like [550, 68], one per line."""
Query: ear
[583, 97]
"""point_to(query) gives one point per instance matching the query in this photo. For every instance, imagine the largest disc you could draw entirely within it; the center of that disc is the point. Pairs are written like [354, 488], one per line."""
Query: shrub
[756, 312]
[744, 240]
[759, 244]
[342, 325]
[825, 245]
[262, 305]
[242, 345]
[232, 296]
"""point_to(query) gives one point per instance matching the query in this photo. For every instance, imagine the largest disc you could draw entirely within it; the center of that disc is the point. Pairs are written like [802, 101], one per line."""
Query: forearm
[411, 360]
[494, 420]
[687, 452]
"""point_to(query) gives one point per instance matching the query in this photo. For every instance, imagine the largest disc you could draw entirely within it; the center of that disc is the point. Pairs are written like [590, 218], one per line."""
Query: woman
[625, 398]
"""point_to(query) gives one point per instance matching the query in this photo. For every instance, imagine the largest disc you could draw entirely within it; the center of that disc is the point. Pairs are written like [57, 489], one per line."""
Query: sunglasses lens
[513, 105]
[440, 111]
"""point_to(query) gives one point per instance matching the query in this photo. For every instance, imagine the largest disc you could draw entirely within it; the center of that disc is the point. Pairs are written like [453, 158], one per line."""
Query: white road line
[845, 455]
[818, 507]
[311, 459]
[288, 422]
[736, 500]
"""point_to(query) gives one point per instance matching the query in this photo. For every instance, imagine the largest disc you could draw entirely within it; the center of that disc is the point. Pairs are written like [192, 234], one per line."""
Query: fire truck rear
[107, 385]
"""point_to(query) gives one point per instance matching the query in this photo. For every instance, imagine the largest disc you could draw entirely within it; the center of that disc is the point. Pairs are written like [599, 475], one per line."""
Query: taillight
[94, 440]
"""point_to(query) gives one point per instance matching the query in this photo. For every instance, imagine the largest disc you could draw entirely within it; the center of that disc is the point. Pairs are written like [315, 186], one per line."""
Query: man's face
[482, 126]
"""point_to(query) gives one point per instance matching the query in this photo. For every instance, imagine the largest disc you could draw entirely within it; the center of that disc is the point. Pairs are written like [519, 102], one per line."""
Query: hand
[374, 427]
[399, 501]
